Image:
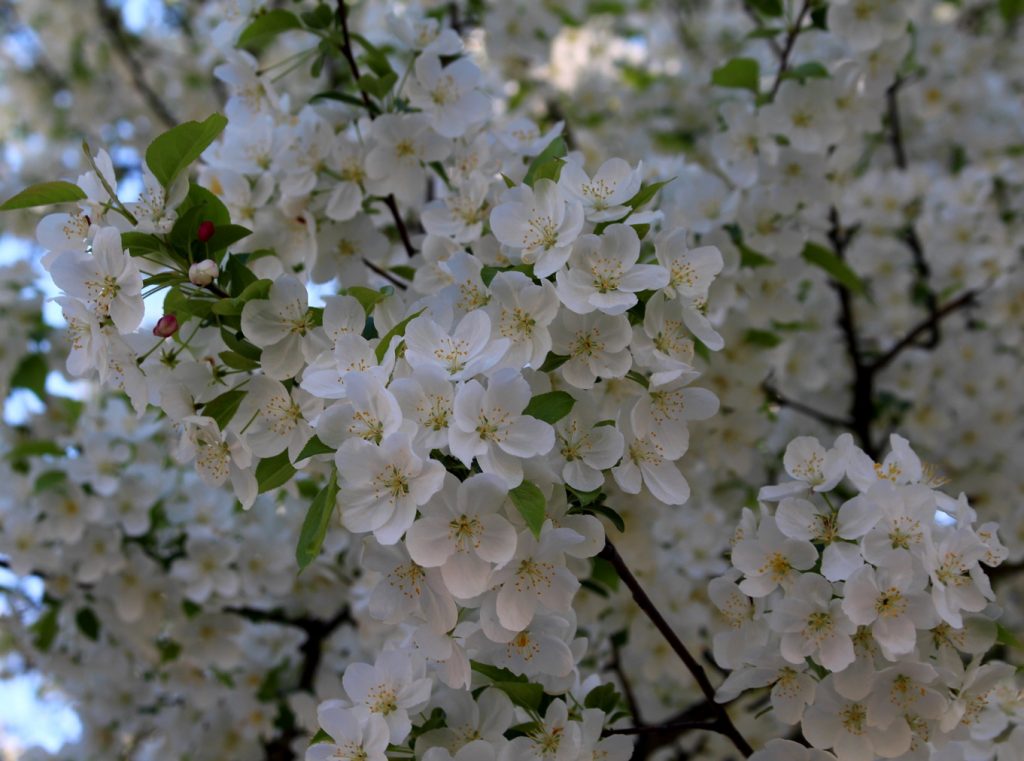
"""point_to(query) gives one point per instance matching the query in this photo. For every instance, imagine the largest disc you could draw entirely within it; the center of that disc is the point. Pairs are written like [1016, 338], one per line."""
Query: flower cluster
[858, 609]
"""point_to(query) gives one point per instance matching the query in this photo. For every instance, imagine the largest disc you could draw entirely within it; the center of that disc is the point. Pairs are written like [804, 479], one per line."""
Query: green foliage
[805, 71]
[173, 151]
[88, 623]
[314, 447]
[266, 27]
[766, 7]
[529, 501]
[224, 407]
[836, 268]
[31, 373]
[44, 630]
[550, 407]
[605, 697]
[548, 163]
[742, 73]
[273, 472]
[398, 330]
[44, 194]
[318, 519]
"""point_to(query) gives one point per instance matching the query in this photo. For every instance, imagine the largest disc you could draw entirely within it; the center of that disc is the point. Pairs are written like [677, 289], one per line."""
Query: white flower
[541, 649]
[155, 208]
[958, 583]
[539, 222]
[604, 196]
[371, 412]
[88, 344]
[219, 455]
[391, 688]
[846, 727]
[813, 623]
[787, 750]
[604, 275]
[402, 144]
[448, 95]
[279, 418]
[280, 325]
[805, 114]
[381, 486]
[489, 425]
[771, 559]
[522, 313]
[557, 739]
[463, 532]
[108, 280]
[207, 568]
[357, 734]
[647, 461]
[203, 273]
[891, 600]
[427, 400]
[595, 344]
[466, 351]
[584, 449]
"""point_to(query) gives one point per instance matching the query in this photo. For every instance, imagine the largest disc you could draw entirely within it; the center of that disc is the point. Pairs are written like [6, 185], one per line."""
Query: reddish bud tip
[206, 230]
[166, 326]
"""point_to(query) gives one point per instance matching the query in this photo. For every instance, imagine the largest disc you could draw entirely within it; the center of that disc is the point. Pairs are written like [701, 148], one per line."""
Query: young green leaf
[398, 330]
[173, 151]
[44, 194]
[556, 150]
[743, 73]
[318, 519]
[273, 472]
[264, 28]
[529, 501]
[837, 269]
[550, 407]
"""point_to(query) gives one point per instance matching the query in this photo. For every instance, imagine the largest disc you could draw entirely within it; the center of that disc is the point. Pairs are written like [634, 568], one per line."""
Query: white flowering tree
[516, 381]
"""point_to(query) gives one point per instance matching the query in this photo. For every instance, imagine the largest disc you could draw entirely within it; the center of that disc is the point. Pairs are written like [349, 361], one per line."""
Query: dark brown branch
[346, 50]
[964, 300]
[111, 20]
[722, 722]
[385, 274]
[804, 409]
[627, 687]
[787, 48]
[676, 727]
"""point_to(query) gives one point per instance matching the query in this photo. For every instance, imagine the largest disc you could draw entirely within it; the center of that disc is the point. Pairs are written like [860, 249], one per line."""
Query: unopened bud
[202, 273]
[206, 230]
[166, 326]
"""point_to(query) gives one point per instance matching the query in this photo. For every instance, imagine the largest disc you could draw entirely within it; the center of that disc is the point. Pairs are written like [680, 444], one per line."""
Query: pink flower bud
[166, 326]
[206, 230]
[202, 273]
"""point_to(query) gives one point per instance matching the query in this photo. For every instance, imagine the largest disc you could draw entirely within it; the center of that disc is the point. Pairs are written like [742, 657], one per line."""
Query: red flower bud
[166, 326]
[206, 230]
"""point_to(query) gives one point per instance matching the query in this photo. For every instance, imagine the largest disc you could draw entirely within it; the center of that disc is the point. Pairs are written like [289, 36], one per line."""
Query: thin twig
[678, 726]
[385, 274]
[110, 19]
[964, 300]
[346, 50]
[804, 409]
[787, 48]
[723, 722]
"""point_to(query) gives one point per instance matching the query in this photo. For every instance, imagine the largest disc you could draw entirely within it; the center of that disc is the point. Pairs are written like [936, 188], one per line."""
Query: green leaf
[766, 7]
[34, 449]
[31, 373]
[236, 361]
[173, 151]
[605, 511]
[398, 330]
[1007, 638]
[378, 86]
[368, 297]
[224, 236]
[404, 271]
[529, 501]
[88, 623]
[552, 362]
[586, 497]
[1011, 10]
[240, 345]
[321, 737]
[525, 694]
[224, 407]
[556, 150]
[51, 479]
[488, 273]
[751, 258]
[318, 519]
[764, 338]
[550, 407]
[836, 268]
[141, 244]
[743, 73]
[809, 70]
[264, 28]
[646, 194]
[605, 574]
[604, 697]
[44, 630]
[162, 279]
[273, 472]
[496, 673]
[314, 447]
[169, 650]
[44, 194]
[318, 18]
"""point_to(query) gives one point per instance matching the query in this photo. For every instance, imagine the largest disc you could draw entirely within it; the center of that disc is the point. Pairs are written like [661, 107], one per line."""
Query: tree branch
[787, 48]
[811, 412]
[722, 722]
[964, 300]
